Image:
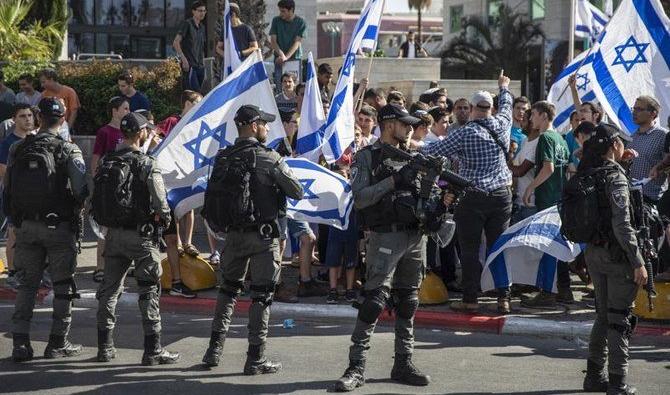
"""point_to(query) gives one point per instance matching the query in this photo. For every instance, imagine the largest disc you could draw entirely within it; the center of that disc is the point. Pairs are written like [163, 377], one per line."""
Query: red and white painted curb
[503, 325]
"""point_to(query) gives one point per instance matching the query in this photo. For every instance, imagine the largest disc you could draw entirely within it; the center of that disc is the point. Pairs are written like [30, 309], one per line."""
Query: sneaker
[540, 301]
[179, 289]
[332, 297]
[11, 280]
[311, 288]
[350, 296]
[46, 280]
[322, 277]
[215, 259]
[98, 276]
[565, 297]
[284, 294]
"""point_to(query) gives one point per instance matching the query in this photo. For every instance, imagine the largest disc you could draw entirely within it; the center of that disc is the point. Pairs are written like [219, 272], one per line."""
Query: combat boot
[352, 378]
[215, 350]
[596, 377]
[154, 354]
[617, 386]
[106, 350]
[22, 351]
[60, 347]
[405, 371]
[257, 363]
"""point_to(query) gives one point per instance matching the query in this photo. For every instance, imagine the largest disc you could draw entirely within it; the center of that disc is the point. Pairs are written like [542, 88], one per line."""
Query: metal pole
[571, 36]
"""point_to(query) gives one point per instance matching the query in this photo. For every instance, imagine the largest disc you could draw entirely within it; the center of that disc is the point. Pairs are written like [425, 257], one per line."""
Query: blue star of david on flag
[307, 191]
[194, 146]
[639, 57]
[582, 81]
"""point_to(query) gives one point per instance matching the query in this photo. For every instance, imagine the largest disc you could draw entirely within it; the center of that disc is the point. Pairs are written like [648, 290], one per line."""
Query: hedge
[95, 83]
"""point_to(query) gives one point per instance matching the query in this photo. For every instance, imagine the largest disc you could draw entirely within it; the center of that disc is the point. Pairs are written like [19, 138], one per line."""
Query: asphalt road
[314, 353]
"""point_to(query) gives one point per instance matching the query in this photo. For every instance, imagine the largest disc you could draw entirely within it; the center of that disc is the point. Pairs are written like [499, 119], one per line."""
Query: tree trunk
[418, 34]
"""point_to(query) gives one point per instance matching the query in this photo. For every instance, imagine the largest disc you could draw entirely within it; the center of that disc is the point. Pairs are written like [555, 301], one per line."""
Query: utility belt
[392, 228]
[145, 229]
[51, 220]
[268, 230]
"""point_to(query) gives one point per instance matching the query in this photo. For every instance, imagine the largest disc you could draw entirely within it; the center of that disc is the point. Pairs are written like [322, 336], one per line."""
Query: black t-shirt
[243, 36]
[193, 40]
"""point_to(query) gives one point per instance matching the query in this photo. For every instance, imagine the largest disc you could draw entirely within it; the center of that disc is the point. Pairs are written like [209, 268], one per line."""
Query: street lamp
[333, 29]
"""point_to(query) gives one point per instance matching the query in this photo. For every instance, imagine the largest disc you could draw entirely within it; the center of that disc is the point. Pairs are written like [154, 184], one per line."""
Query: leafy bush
[13, 70]
[95, 83]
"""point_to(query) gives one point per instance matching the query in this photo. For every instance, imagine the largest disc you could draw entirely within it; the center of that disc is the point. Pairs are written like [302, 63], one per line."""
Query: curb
[502, 325]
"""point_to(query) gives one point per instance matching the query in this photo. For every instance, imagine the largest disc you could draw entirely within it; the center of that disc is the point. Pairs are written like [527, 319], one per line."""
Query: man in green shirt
[286, 34]
[551, 165]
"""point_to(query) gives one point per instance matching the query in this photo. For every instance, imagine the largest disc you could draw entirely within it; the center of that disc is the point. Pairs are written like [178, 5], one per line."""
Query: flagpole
[571, 37]
[359, 103]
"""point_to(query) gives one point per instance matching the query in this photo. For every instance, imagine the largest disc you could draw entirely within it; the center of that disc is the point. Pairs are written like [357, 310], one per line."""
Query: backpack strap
[493, 135]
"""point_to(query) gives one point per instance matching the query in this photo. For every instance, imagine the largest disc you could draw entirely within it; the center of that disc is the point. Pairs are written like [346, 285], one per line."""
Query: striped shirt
[649, 145]
[481, 159]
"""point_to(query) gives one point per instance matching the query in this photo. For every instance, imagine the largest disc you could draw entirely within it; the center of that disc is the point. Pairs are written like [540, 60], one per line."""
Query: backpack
[116, 196]
[584, 207]
[228, 197]
[38, 182]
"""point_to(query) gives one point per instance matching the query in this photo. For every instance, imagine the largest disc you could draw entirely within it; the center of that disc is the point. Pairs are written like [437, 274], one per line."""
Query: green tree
[53, 13]
[21, 39]
[482, 49]
[420, 5]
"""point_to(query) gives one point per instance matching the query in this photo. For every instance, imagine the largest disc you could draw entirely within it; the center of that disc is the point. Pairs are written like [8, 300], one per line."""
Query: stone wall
[391, 69]
[456, 88]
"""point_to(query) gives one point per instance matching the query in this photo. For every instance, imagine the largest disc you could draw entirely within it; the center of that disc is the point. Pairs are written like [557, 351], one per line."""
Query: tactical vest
[397, 206]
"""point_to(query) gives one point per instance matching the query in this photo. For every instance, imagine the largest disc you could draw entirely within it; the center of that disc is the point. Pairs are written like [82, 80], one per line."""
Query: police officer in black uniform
[616, 267]
[45, 187]
[254, 245]
[385, 194]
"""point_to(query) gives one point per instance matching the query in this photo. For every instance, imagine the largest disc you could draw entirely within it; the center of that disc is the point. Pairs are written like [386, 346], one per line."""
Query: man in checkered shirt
[481, 147]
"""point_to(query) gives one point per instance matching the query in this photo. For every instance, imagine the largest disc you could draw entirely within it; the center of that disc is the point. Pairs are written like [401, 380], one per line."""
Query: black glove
[405, 177]
[284, 148]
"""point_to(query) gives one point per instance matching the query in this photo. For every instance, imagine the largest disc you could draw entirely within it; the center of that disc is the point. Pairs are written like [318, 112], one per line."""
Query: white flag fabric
[369, 42]
[185, 156]
[589, 20]
[231, 56]
[327, 195]
[528, 253]
[633, 60]
[564, 104]
[338, 132]
[312, 117]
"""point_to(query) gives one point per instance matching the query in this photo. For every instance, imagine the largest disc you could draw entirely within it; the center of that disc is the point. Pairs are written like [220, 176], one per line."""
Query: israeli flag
[312, 117]
[633, 60]
[589, 20]
[327, 195]
[231, 57]
[186, 155]
[338, 132]
[528, 253]
[369, 42]
[561, 96]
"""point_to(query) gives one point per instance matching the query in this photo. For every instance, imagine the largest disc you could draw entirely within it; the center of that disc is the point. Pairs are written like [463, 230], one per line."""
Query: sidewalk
[566, 321]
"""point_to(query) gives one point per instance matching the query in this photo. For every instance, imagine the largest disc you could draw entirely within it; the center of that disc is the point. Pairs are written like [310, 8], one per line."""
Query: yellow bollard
[196, 273]
[661, 303]
[432, 290]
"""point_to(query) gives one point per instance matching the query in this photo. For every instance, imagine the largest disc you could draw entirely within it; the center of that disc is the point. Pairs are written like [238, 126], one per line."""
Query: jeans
[193, 78]
[475, 213]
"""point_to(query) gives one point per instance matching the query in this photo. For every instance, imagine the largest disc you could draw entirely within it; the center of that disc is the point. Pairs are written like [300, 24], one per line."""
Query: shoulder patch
[619, 198]
[354, 173]
[80, 165]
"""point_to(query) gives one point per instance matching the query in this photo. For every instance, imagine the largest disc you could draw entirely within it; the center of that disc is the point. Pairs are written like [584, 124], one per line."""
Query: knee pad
[625, 327]
[146, 295]
[231, 288]
[67, 293]
[373, 305]
[406, 302]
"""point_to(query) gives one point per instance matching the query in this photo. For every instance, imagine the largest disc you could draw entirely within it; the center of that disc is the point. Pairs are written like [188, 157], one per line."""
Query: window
[81, 11]
[537, 8]
[176, 11]
[493, 10]
[112, 12]
[147, 12]
[456, 18]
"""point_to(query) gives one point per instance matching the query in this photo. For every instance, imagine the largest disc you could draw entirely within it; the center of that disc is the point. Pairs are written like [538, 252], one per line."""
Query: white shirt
[526, 153]
[432, 137]
[33, 100]
[411, 50]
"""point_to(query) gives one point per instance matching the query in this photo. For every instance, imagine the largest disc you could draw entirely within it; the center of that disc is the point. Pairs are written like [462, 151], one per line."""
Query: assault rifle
[645, 241]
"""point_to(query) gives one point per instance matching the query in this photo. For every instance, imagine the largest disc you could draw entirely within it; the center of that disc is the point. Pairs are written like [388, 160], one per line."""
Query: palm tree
[420, 5]
[52, 13]
[22, 40]
[482, 49]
